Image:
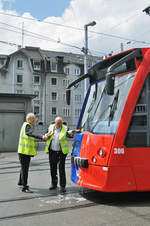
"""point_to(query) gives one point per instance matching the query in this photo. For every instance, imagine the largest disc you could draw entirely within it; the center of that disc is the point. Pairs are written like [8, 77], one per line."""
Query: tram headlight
[94, 159]
[101, 153]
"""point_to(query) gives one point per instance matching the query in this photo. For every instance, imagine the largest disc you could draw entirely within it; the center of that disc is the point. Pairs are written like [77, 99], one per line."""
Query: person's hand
[49, 134]
[75, 131]
[45, 137]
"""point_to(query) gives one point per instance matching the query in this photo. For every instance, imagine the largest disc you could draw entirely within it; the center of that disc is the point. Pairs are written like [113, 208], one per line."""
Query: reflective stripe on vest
[27, 145]
[62, 139]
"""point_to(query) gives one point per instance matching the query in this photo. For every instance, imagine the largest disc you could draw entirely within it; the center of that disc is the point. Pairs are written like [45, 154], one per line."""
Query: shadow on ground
[117, 199]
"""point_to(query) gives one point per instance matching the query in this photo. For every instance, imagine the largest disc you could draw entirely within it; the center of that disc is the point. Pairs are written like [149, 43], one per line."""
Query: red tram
[112, 153]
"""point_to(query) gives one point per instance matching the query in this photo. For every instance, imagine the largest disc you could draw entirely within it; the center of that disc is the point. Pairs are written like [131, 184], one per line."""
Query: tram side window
[138, 134]
[126, 67]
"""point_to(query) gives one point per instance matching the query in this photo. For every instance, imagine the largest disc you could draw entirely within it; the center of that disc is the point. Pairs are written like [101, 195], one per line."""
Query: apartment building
[45, 74]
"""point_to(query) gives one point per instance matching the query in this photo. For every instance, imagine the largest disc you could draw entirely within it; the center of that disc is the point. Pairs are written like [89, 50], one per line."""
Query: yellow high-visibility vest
[27, 145]
[62, 139]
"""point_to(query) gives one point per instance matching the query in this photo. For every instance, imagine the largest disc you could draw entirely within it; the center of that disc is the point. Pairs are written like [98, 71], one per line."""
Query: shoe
[26, 190]
[52, 187]
[62, 190]
[19, 184]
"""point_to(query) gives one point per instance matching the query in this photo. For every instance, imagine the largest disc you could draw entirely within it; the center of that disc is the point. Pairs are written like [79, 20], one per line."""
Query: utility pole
[85, 51]
[22, 34]
[121, 47]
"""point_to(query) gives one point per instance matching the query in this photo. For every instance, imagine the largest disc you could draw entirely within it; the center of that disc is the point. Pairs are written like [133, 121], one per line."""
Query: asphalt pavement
[77, 207]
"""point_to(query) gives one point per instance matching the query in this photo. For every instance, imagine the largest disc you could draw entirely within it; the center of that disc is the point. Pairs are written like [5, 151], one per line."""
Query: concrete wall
[13, 110]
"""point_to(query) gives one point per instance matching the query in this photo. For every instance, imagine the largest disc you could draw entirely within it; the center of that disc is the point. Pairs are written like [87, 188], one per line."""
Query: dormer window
[53, 67]
[2, 61]
[36, 65]
[67, 70]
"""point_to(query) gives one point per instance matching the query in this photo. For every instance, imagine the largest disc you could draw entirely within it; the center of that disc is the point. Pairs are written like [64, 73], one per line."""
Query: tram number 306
[119, 151]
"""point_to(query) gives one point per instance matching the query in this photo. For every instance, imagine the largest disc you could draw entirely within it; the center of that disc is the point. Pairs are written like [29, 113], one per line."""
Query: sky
[59, 25]
[39, 9]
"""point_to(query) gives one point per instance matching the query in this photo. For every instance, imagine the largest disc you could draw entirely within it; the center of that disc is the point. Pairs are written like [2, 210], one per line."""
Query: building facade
[45, 74]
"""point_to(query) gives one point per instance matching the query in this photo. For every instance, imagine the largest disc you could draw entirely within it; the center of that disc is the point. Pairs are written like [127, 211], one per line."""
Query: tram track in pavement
[51, 211]
[6, 169]
[41, 199]
[53, 194]
[74, 206]
[91, 199]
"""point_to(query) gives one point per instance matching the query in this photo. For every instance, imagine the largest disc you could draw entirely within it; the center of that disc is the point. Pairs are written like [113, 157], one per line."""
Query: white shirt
[55, 145]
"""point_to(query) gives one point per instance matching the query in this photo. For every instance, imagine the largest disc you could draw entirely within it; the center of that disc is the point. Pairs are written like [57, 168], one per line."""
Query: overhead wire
[37, 20]
[36, 35]
[42, 37]
[126, 20]
[135, 15]
[80, 29]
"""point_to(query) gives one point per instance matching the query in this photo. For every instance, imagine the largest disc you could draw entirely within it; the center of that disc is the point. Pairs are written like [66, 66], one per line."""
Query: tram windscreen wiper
[113, 107]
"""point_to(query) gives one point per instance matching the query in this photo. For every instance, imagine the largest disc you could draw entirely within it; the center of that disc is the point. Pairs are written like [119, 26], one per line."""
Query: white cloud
[113, 17]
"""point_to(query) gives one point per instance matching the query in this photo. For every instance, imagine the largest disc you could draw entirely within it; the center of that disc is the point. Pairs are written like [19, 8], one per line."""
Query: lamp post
[147, 10]
[85, 50]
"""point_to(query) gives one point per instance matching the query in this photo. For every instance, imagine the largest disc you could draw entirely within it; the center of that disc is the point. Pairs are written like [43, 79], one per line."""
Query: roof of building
[37, 53]
[68, 57]
[3, 56]
[31, 52]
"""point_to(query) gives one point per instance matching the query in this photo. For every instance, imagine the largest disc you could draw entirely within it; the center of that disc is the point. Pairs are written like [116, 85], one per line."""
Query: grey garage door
[10, 124]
